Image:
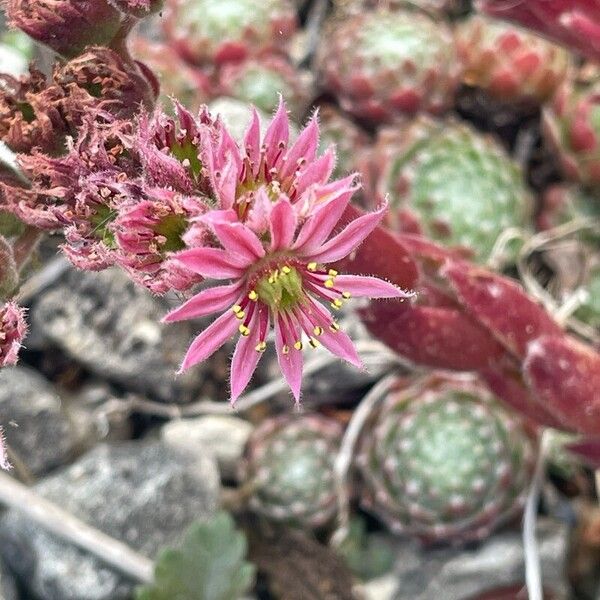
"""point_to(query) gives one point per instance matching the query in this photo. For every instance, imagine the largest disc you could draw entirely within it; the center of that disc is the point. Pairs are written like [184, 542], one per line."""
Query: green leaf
[210, 565]
[368, 555]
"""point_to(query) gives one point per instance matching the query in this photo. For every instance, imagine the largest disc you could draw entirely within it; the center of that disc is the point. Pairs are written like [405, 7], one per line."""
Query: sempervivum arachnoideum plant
[289, 464]
[350, 141]
[451, 183]
[509, 63]
[571, 125]
[442, 461]
[220, 31]
[384, 63]
[262, 80]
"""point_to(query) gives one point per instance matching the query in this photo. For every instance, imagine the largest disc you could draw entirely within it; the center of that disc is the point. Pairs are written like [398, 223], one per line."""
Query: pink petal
[205, 303]
[252, 141]
[210, 340]
[318, 171]
[320, 225]
[226, 184]
[246, 357]
[369, 287]
[337, 343]
[292, 362]
[211, 262]
[283, 225]
[350, 238]
[304, 149]
[277, 135]
[239, 241]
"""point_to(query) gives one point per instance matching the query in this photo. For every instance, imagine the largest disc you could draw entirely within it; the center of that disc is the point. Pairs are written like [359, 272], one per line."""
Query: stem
[533, 575]
[345, 456]
[54, 519]
[25, 245]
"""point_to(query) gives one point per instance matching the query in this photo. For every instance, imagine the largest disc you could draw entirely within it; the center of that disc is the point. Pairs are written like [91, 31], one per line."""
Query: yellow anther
[253, 295]
[285, 349]
[311, 266]
[245, 331]
[334, 327]
[240, 314]
[236, 308]
[332, 272]
[346, 295]
[261, 346]
[286, 269]
[314, 343]
[298, 345]
[336, 304]
[318, 330]
[329, 283]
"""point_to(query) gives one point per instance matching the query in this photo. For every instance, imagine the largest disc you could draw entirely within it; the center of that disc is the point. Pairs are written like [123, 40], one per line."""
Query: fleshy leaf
[210, 565]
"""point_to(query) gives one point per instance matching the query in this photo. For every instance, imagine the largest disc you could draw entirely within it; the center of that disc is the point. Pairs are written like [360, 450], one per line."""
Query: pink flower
[12, 331]
[153, 224]
[280, 279]
[238, 174]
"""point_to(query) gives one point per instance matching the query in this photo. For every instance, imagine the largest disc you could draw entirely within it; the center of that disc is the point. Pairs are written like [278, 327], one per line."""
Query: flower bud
[30, 113]
[104, 79]
[9, 276]
[66, 26]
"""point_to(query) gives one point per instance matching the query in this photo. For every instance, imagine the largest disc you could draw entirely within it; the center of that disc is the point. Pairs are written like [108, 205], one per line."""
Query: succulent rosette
[350, 141]
[274, 223]
[442, 461]
[449, 182]
[510, 63]
[382, 64]
[571, 125]
[289, 464]
[262, 80]
[220, 31]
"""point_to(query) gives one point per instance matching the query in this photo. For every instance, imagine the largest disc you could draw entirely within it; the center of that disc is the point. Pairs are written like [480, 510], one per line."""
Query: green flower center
[172, 228]
[280, 288]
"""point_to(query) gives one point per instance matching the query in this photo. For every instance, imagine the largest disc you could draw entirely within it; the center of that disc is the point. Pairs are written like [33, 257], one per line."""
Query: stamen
[286, 269]
[332, 272]
[318, 330]
[334, 327]
[346, 295]
[337, 304]
[314, 342]
[285, 349]
[253, 295]
[261, 346]
[236, 308]
[329, 283]
[312, 266]
[298, 345]
[240, 314]
[245, 331]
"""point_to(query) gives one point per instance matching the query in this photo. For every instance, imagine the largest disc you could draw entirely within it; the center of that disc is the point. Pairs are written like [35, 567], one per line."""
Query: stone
[458, 574]
[112, 327]
[221, 436]
[140, 493]
[36, 424]
[8, 587]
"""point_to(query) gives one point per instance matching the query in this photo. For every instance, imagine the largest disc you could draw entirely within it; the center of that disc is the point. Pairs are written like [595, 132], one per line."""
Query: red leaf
[565, 375]
[501, 305]
[437, 337]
